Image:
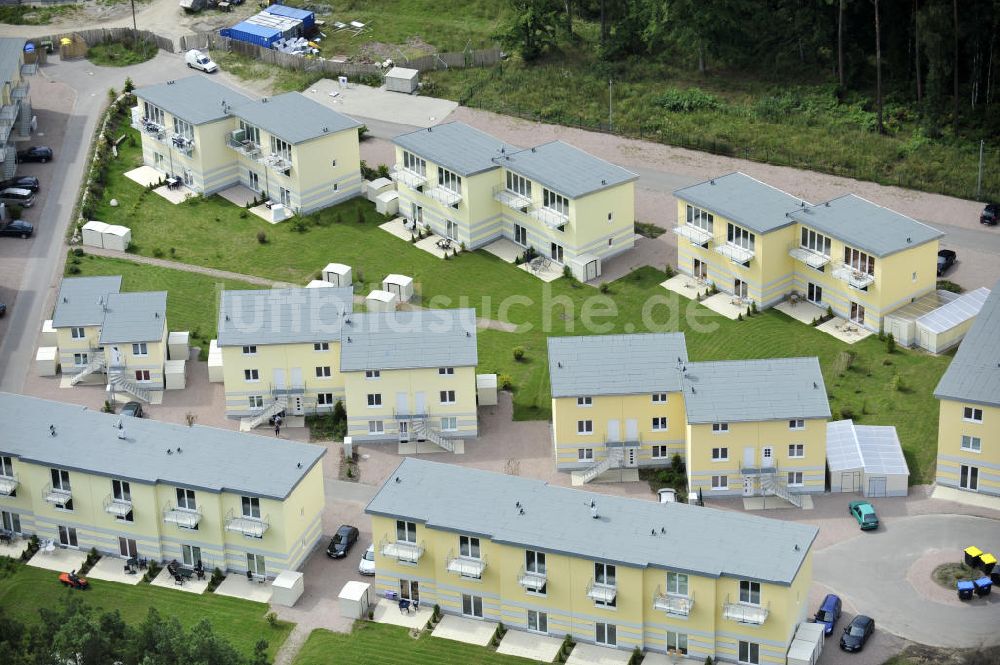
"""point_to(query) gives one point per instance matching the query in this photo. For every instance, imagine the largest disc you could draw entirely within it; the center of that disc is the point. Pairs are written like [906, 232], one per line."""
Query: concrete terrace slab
[429, 245]
[14, 549]
[590, 654]
[238, 195]
[58, 559]
[803, 310]
[387, 612]
[238, 586]
[547, 271]
[175, 196]
[504, 249]
[460, 629]
[145, 176]
[664, 659]
[967, 498]
[529, 645]
[112, 569]
[726, 304]
[166, 581]
[362, 101]
[844, 330]
[685, 285]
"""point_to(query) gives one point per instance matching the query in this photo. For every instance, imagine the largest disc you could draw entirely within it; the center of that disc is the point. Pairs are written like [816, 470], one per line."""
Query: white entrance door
[968, 478]
[420, 403]
[740, 289]
[297, 381]
[255, 564]
[614, 431]
[556, 252]
[253, 181]
[472, 606]
[418, 215]
[127, 548]
[747, 485]
[409, 590]
[452, 231]
[700, 269]
[520, 235]
[404, 431]
[631, 458]
[67, 536]
[767, 457]
[749, 458]
[857, 313]
[591, 271]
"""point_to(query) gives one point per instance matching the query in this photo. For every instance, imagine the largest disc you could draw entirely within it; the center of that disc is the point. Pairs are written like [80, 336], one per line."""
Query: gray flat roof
[874, 448]
[744, 200]
[754, 390]
[566, 170]
[402, 340]
[81, 300]
[456, 146]
[195, 99]
[283, 316]
[134, 317]
[294, 118]
[693, 539]
[865, 225]
[616, 364]
[974, 373]
[202, 458]
[11, 50]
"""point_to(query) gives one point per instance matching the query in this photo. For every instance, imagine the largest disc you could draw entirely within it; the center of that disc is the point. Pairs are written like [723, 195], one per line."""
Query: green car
[864, 513]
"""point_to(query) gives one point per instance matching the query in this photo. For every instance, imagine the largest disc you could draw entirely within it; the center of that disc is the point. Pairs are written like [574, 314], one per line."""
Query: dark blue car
[829, 613]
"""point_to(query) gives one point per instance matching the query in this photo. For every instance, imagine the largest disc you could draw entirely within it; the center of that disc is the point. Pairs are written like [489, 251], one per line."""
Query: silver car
[367, 564]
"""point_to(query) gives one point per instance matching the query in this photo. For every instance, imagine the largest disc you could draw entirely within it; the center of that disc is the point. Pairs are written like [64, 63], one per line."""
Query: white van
[15, 196]
[195, 59]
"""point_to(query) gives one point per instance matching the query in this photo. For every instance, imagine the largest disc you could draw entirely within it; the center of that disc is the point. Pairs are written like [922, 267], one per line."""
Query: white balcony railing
[808, 257]
[8, 484]
[532, 580]
[182, 517]
[605, 593]
[251, 527]
[673, 603]
[735, 253]
[277, 163]
[245, 147]
[411, 179]
[514, 200]
[549, 217]
[745, 612]
[856, 278]
[401, 551]
[695, 234]
[117, 506]
[56, 495]
[444, 195]
[466, 566]
[182, 143]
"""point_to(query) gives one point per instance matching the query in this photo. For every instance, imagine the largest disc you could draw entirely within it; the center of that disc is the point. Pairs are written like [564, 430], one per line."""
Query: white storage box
[387, 203]
[354, 599]
[318, 284]
[486, 389]
[337, 274]
[93, 234]
[378, 186]
[401, 79]
[47, 361]
[381, 301]
[178, 345]
[287, 588]
[49, 335]
[175, 374]
[117, 237]
[401, 285]
[215, 362]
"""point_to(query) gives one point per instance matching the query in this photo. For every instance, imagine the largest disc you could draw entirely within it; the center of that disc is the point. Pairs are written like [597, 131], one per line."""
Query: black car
[36, 153]
[990, 215]
[3, 308]
[342, 541]
[857, 633]
[133, 409]
[946, 259]
[28, 182]
[17, 228]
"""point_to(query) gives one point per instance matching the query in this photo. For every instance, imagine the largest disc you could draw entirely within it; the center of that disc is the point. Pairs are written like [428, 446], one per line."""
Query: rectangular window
[321, 346]
[256, 401]
[677, 583]
[472, 606]
[720, 454]
[140, 349]
[250, 506]
[251, 375]
[323, 372]
[518, 184]
[720, 427]
[281, 148]
[142, 375]
[121, 490]
[449, 424]
[749, 653]
[6, 467]
[183, 128]
[534, 562]
[815, 242]
[251, 132]
[538, 622]
[739, 236]
[153, 113]
[796, 450]
[60, 479]
[606, 634]
[413, 163]
[190, 555]
[446, 371]
[285, 197]
[468, 546]
[584, 401]
[324, 399]
[604, 573]
[556, 202]
[450, 181]
[372, 373]
[973, 414]
[858, 260]
[659, 398]
[972, 443]
[584, 426]
[700, 218]
[750, 592]
[659, 452]
[796, 424]
[77, 333]
[80, 359]
[447, 396]
[660, 424]
[374, 399]
[406, 532]
[677, 642]
[375, 427]
[250, 350]
[67, 536]
[585, 454]
[794, 478]
[186, 499]
[720, 482]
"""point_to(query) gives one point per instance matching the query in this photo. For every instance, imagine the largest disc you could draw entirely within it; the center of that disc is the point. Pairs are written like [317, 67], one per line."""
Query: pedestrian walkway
[187, 267]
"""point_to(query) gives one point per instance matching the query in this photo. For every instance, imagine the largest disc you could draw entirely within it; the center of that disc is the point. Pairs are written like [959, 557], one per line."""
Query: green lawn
[28, 15]
[122, 54]
[213, 232]
[380, 644]
[240, 622]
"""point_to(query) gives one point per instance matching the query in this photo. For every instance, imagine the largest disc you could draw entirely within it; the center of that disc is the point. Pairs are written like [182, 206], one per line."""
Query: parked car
[367, 564]
[3, 308]
[946, 259]
[857, 633]
[133, 409]
[17, 228]
[828, 613]
[195, 59]
[18, 197]
[990, 214]
[864, 513]
[28, 182]
[342, 541]
[36, 153]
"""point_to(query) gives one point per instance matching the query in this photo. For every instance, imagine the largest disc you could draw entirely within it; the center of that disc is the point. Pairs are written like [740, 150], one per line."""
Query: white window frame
[77, 332]
[323, 372]
[972, 444]
[610, 633]
[748, 653]
[250, 349]
[858, 260]
[699, 218]
[250, 507]
[659, 398]
[255, 401]
[449, 180]
[720, 483]
[660, 424]
[251, 132]
[321, 346]
[541, 621]
[660, 451]
[518, 184]
[585, 402]
[140, 349]
[795, 479]
[815, 242]
[414, 164]
[972, 414]
[740, 237]
[585, 454]
[281, 148]
[376, 427]
[187, 499]
[449, 423]
[720, 454]
[678, 584]
[373, 374]
[796, 450]
[251, 375]
[796, 424]
[750, 592]
[374, 400]
[406, 532]
[81, 359]
[447, 396]
[556, 202]
[446, 371]
[677, 642]
[469, 547]
[720, 428]
[183, 128]
[325, 399]
[584, 427]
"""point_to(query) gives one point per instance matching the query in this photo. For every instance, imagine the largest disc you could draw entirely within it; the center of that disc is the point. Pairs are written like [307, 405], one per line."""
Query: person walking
[277, 428]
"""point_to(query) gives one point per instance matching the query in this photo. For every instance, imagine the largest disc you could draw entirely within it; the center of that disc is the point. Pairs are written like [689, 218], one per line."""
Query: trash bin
[965, 589]
[987, 562]
[995, 576]
[972, 554]
[983, 586]
[47, 45]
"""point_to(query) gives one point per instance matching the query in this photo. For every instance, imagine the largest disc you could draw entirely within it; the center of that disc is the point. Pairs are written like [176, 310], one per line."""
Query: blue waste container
[983, 586]
[965, 589]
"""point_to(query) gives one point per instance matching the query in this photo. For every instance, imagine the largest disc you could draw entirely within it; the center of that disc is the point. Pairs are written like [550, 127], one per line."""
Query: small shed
[387, 203]
[807, 644]
[47, 361]
[945, 327]
[378, 186]
[401, 79]
[287, 588]
[337, 274]
[117, 237]
[49, 335]
[381, 301]
[178, 345]
[400, 285]
[215, 362]
[318, 284]
[585, 267]
[175, 374]
[93, 234]
[355, 599]
[486, 389]
[866, 459]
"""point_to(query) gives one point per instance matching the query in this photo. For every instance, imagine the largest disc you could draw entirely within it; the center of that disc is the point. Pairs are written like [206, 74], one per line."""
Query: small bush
[505, 382]
[272, 619]
[890, 343]
[753, 306]
[157, 252]
[687, 101]
[244, 214]
[73, 270]
[261, 237]
[78, 251]
[518, 352]
[216, 579]
[669, 271]
[604, 288]
[847, 413]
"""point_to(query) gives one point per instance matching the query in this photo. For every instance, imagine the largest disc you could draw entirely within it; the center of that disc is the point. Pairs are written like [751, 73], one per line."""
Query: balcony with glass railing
[247, 525]
[57, 496]
[748, 613]
[444, 195]
[694, 234]
[182, 143]
[735, 253]
[238, 142]
[511, 199]
[401, 550]
[118, 506]
[550, 217]
[602, 592]
[411, 179]
[532, 580]
[185, 518]
[277, 163]
[807, 256]
[672, 603]
[851, 276]
[8, 483]
[466, 566]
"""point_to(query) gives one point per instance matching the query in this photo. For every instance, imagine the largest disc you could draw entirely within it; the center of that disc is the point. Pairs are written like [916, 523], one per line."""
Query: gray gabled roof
[865, 225]
[410, 339]
[754, 390]
[974, 373]
[457, 147]
[283, 316]
[616, 364]
[201, 458]
[690, 539]
[744, 200]
[195, 99]
[294, 118]
[81, 300]
[134, 317]
[566, 170]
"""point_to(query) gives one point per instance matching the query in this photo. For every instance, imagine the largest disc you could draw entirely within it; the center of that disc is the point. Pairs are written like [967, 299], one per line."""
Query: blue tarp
[252, 33]
[308, 18]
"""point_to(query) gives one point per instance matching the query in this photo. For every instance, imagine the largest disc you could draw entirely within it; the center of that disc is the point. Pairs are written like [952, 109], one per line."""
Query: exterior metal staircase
[613, 460]
[770, 484]
[423, 431]
[119, 382]
[277, 406]
[95, 365]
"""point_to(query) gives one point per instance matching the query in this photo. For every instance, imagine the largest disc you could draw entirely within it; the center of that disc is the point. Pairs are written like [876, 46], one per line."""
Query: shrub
[518, 353]
[272, 619]
[78, 251]
[846, 413]
[361, 216]
[669, 271]
[604, 288]
[890, 343]
[753, 306]
[157, 252]
[261, 237]
[73, 270]
[739, 317]
[244, 214]
[413, 239]
[505, 382]
[129, 85]
[362, 130]
[687, 101]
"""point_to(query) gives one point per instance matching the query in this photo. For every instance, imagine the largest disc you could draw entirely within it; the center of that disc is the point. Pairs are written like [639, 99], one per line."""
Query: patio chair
[404, 606]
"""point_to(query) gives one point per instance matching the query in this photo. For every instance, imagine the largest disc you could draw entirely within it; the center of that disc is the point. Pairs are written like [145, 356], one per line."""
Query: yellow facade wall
[984, 457]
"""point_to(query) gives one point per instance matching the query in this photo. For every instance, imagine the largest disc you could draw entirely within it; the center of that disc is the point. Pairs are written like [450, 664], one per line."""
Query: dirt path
[187, 267]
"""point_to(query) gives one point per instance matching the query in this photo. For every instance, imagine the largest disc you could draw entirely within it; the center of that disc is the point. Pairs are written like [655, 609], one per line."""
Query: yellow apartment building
[411, 376]
[137, 487]
[15, 103]
[969, 395]
[565, 204]
[760, 244]
[617, 572]
[298, 152]
[101, 331]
